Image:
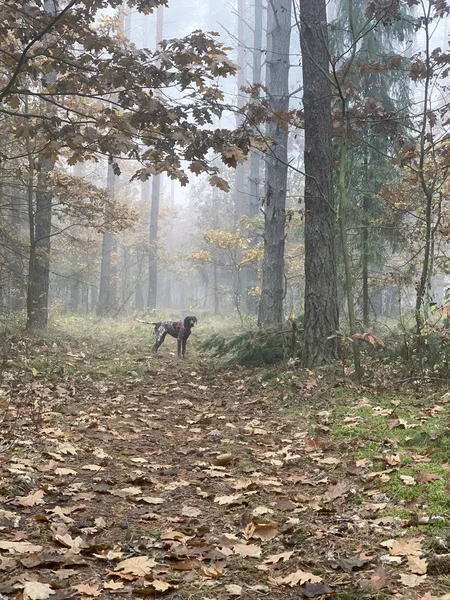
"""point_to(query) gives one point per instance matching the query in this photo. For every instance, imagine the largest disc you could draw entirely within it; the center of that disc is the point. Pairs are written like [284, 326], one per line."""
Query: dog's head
[189, 322]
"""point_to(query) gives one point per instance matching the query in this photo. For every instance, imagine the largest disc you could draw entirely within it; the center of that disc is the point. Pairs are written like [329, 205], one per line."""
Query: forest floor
[127, 474]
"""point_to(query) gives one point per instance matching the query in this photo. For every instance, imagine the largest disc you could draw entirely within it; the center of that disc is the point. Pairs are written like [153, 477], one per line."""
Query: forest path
[190, 481]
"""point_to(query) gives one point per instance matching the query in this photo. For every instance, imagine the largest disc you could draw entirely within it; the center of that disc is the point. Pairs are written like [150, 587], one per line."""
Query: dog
[181, 330]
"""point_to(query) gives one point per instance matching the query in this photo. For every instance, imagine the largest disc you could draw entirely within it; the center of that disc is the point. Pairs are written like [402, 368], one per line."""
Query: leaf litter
[157, 488]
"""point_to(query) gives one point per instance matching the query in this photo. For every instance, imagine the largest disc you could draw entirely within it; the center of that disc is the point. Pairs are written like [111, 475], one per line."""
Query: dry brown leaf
[406, 547]
[87, 590]
[233, 589]
[297, 578]
[152, 500]
[160, 585]
[426, 477]
[190, 511]
[261, 531]
[378, 581]
[132, 491]
[138, 565]
[412, 581]
[276, 558]
[92, 468]
[214, 571]
[247, 550]
[113, 585]
[34, 590]
[330, 460]
[32, 499]
[417, 565]
[222, 500]
[408, 480]
[20, 547]
[7, 563]
[335, 491]
[223, 460]
[63, 471]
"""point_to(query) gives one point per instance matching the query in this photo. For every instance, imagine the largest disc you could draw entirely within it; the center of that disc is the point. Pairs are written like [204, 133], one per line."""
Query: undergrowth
[254, 347]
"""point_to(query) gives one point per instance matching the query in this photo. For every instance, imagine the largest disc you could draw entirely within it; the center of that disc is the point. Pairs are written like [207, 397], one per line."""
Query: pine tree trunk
[255, 156]
[39, 263]
[154, 211]
[39, 259]
[321, 302]
[239, 176]
[153, 250]
[107, 298]
[278, 46]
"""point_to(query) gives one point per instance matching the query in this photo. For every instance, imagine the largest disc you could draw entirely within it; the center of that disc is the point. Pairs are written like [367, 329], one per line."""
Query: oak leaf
[138, 565]
[34, 590]
[297, 578]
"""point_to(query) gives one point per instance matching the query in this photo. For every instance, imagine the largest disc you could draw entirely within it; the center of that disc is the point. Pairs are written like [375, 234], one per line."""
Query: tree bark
[153, 240]
[255, 156]
[278, 46]
[154, 211]
[321, 302]
[41, 224]
[107, 298]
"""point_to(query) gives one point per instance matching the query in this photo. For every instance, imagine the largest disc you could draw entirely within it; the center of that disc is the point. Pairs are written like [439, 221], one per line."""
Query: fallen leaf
[222, 500]
[408, 480]
[273, 559]
[247, 550]
[87, 590]
[33, 590]
[233, 589]
[20, 547]
[92, 468]
[426, 477]
[63, 471]
[190, 511]
[335, 491]
[356, 562]
[138, 565]
[223, 460]
[113, 585]
[160, 585]
[378, 580]
[330, 460]
[32, 499]
[297, 578]
[406, 547]
[412, 581]
[152, 500]
[261, 531]
[417, 565]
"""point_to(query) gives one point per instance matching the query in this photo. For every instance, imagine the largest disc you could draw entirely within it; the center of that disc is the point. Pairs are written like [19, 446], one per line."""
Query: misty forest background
[291, 162]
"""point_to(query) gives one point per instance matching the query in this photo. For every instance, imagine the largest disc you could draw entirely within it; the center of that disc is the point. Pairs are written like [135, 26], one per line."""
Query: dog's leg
[160, 337]
[183, 347]
[179, 347]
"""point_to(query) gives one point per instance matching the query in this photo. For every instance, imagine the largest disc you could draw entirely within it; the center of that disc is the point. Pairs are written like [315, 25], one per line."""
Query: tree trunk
[154, 212]
[41, 222]
[107, 298]
[39, 264]
[278, 46]
[239, 175]
[321, 302]
[153, 249]
[255, 156]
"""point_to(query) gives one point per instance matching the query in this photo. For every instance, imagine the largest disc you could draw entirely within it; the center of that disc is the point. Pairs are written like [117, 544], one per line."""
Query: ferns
[255, 347]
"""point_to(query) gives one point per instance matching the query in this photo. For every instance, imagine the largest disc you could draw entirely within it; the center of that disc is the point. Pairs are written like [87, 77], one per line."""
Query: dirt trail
[187, 482]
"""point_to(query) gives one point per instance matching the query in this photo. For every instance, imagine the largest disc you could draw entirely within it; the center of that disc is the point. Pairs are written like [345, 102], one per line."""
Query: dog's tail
[149, 322]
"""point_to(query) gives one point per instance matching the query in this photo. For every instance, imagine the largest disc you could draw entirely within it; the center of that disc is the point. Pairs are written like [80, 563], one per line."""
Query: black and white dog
[180, 330]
